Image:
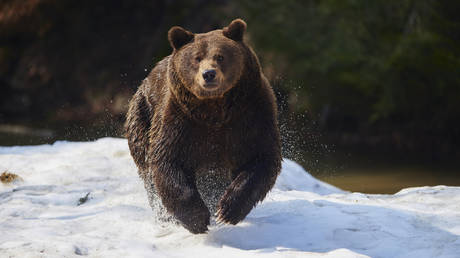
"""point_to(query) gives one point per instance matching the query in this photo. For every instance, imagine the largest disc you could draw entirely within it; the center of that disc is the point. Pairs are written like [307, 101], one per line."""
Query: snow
[43, 214]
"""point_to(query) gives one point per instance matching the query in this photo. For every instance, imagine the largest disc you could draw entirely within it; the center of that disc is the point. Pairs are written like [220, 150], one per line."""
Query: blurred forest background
[369, 91]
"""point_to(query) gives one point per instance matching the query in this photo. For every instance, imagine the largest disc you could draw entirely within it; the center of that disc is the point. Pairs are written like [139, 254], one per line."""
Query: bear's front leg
[251, 184]
[180, 197]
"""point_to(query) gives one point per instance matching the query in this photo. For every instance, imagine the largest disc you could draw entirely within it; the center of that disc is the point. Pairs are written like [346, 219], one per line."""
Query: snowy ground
[40, 216]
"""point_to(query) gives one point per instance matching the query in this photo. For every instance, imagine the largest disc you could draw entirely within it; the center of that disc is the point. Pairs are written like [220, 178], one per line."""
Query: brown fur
[182, 131]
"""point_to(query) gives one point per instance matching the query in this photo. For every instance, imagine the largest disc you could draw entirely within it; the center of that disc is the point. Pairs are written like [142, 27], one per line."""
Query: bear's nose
[209, 75]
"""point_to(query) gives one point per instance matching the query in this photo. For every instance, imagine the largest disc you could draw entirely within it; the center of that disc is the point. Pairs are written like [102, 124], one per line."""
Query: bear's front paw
[196, 221]
[233, 208]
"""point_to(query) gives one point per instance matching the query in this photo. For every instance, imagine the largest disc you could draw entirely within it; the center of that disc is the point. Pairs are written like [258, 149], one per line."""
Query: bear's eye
[219, 58]
[198, 59]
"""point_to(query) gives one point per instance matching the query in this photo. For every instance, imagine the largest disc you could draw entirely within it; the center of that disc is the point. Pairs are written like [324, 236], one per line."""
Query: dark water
[364, 171]
[391, 179]
[349, 169]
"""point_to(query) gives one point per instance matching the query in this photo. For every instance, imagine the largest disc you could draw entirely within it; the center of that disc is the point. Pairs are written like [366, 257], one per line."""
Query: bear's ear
[178, 37]
[235, 30]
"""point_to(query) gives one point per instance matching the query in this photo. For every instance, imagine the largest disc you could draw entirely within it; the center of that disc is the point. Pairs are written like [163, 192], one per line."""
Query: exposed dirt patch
[7, 177]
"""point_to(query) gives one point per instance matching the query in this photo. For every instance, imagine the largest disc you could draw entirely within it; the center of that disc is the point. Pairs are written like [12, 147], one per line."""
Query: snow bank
[47, 215]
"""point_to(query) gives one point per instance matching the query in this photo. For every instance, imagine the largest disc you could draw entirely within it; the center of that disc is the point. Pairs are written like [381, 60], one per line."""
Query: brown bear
[202, 129]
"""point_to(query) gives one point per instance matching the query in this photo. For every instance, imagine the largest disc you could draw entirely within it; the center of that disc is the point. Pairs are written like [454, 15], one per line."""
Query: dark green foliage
[380, 68]
[365, 66]
[67, 61]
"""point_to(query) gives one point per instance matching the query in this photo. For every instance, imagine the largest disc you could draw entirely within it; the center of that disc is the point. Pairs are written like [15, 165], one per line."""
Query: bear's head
[208, 64]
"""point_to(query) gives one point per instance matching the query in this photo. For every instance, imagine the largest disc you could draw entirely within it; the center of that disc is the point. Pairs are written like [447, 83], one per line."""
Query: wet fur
[202, 153]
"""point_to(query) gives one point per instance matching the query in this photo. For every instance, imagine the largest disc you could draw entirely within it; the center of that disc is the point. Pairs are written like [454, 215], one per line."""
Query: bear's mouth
[210, 85]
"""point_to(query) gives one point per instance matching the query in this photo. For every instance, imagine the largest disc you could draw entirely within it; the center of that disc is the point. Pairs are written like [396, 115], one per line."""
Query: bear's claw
[229, 215]
[220, 220]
